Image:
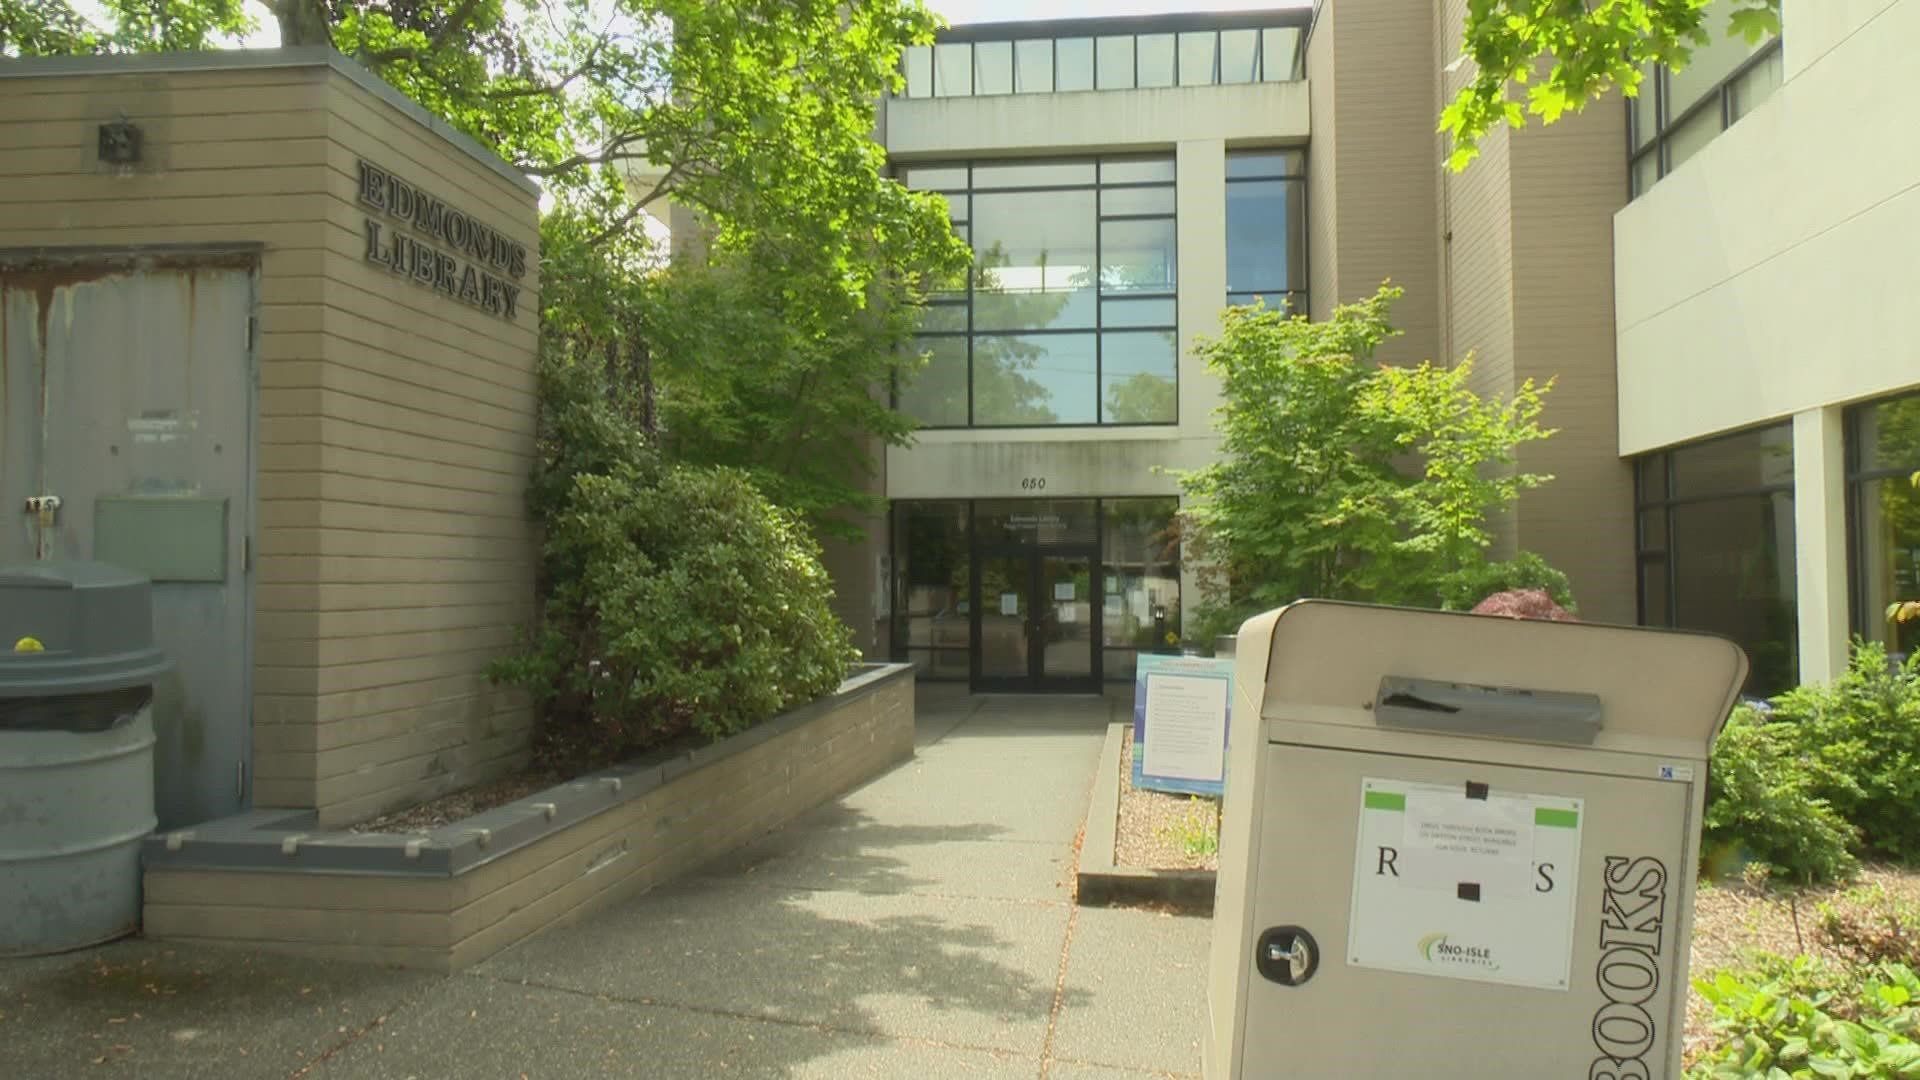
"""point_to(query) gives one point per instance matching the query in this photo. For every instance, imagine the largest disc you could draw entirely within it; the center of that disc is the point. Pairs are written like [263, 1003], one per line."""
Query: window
[1716, 546]
[932, 579]
[1883, 519]
[1068, 317]
[1175, 51]
[1141, 551]
[1267, 229]
[1678, 112]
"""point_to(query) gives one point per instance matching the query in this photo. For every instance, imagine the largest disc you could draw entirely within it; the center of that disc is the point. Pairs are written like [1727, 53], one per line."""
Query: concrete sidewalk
[920, 927]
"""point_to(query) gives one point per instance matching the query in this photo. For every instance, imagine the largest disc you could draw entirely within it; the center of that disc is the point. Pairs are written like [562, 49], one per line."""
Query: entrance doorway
[1035, 621]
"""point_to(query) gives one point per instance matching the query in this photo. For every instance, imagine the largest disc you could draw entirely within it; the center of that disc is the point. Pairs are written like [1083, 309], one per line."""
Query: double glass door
[1035, 621]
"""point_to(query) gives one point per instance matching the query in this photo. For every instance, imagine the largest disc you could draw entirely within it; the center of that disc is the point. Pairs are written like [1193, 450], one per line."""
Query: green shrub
[1763, 805]
[1863, 730]
[1809, 1018]
[676, 599]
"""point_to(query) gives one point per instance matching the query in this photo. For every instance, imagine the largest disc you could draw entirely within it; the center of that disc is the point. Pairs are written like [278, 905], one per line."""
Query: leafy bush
[1863, 730]
[1343, 478]
[677, 599]
[1764, 804]
[1808, 1018]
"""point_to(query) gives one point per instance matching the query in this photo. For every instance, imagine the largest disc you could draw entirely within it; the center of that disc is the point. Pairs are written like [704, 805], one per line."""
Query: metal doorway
[127, 391]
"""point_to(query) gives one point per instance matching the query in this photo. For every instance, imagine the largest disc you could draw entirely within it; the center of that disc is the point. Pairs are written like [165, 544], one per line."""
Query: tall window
[1068, 315]
[1678, 112]
[1716, 548]
[1267, 228]
[1883, 454]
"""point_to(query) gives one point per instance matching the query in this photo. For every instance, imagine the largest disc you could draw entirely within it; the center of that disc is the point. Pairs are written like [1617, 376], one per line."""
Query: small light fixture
[120, 142]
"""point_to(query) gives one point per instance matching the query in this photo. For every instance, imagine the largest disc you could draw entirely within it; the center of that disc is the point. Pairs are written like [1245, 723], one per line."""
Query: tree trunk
[303, 22]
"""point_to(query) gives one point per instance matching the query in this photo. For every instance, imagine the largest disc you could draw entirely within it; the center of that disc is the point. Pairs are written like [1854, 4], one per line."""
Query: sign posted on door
[1180, 706]
[1465, 883]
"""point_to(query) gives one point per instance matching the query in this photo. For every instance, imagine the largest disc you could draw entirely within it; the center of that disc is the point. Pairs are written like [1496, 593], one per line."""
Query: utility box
[1460, 845]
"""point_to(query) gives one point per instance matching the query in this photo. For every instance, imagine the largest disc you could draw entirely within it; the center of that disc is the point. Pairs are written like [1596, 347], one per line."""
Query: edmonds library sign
[466, 260]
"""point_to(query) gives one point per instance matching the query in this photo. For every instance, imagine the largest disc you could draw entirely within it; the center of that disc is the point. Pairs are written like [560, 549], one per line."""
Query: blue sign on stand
[1180, 709]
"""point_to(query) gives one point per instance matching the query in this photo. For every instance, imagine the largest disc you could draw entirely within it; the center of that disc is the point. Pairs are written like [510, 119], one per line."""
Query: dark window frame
[1297, 299]
[1098, 329]
[1665, 505]
[1658, 143]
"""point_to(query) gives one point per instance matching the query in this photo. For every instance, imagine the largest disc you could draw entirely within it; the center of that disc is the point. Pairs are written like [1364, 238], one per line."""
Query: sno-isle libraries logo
[1440, 951]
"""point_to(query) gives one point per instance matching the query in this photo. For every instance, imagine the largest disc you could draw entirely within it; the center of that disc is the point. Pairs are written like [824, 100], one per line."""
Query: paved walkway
[920, 928]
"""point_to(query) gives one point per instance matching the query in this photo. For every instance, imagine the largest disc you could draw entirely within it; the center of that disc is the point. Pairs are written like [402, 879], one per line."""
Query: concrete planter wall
[447, 898]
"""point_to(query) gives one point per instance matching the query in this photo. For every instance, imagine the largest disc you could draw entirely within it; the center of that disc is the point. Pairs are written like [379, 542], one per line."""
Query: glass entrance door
[1035, 619]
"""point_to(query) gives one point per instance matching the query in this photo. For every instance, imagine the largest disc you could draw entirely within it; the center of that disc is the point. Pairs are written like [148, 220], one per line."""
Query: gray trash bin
[77, 667]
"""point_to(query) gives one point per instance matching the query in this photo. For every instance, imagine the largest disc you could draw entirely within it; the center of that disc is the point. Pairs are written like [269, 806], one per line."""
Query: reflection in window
[993, 67]
[1073, 64]
[952, 70]
[1139, 378]
[930, 574]
[1032, 67]
[1034, 251]
[1716, 547]
[1266, 229]
[1197, 67]
[1116, 63]
[1154, 60]
[1239, 56]
[1884, 457]
[1029, 379]
[1069, 314]
[1141, 548]
[1675, 113]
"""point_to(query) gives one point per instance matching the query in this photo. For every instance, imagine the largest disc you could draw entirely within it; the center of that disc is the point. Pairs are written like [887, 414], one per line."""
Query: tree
[1587, 48]
[56, 28]
[1341, 478]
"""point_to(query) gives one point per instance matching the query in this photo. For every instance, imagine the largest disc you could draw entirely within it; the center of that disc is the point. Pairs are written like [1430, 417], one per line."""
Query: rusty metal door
[127, 393]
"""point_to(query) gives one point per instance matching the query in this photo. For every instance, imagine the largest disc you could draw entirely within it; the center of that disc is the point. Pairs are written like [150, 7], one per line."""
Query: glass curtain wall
[1884, 518]
[1267, 229]
[1068, 317]
[1716, 546]
[1678, 112]
[1140, 552]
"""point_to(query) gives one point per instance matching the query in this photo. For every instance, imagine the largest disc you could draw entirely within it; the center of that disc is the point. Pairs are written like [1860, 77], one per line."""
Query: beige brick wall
[1372, 183]
[393, 555]
[1527, 284]
[447, 923]
[419, 422]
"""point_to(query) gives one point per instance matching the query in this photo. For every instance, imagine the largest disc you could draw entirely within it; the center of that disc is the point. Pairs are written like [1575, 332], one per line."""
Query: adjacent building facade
[1713, 301]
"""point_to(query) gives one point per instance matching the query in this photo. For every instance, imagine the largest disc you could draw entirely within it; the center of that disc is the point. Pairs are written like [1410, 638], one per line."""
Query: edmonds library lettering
[470, 264]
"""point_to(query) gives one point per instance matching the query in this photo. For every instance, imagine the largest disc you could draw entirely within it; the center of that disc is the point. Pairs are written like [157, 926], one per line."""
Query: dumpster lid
[1657, 690]
[69, 628]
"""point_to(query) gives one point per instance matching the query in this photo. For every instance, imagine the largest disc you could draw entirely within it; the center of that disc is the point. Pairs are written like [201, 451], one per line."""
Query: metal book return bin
[1460, 845]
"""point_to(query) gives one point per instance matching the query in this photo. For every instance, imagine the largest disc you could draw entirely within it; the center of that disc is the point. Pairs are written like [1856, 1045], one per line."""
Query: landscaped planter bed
[451, 896]
[1124, 828]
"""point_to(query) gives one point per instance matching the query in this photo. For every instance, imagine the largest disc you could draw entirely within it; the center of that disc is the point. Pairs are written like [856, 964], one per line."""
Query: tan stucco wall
[1372, 187]
[395, 424]
[1526, 284]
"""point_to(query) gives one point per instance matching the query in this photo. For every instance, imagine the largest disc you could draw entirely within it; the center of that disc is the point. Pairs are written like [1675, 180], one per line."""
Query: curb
[1101, 883]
